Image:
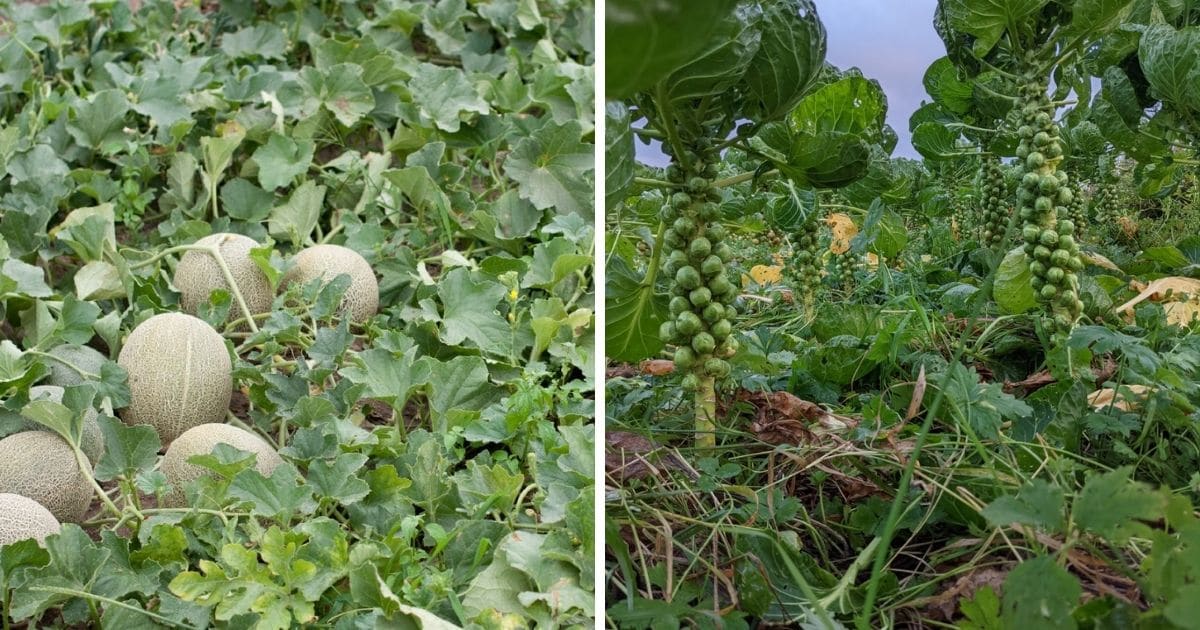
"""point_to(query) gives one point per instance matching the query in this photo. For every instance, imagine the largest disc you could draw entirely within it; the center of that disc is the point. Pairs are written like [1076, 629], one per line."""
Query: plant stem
[92, 597]
[78, 370]
[215, 253]
[706, 413]
[658, 183]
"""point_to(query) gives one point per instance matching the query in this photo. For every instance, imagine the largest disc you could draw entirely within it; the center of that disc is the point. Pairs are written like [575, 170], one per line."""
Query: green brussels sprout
[1037, 268]
[1067, 242]
[1048, 185]
[688, 278]
[1049, 238]
[700, 297]
[700, 248]
[715, 232]
[1043, 205]
[684, 226]
[721, 285]
[713, 313]
[716, 368]
[728, 348]
[1035, 160]
[1048, 292]
[690, 382]
[730, 312]
[721, 329]
[1055, 276]
[712, 266]
[667, 331]
[1031, 233]
[679, 305]
[1060, 258]
[1042, 139]
[724, 252]
[684, 357]
[681, 200]
[1041, 252]
[703, 343]
[688, 324]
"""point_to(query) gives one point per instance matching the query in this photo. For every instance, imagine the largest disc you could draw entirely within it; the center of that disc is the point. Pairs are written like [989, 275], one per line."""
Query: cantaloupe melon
[198, 275]
[92, 443]
[200, 441]
[83, 357]
[42, 466]
[22, 518]
[329, 261]
[180, 375]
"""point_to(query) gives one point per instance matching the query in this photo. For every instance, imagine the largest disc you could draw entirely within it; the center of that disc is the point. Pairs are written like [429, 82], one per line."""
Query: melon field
[296, 314]
[847, 388]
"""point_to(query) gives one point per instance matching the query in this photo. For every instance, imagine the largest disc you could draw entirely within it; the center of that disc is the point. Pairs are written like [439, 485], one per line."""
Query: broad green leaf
[935, 141]
[1012, 290]
[1114, 506]
[554, 169]
[340, 90]
[445, 96]
[128, 450]
[100, 121]
[790, 55]
[281, 160]
[718, 66]
[469, 312]
[1040, 595]
[618, 153]
[641, 42]
[1037, 503]
[988, 20]
[634, 313]
[1169, 61]
[294, 220]
[261, 40]
[942, 82]
[462, 383]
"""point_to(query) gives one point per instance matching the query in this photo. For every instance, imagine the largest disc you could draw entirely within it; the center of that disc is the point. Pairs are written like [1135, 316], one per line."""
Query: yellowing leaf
[1182, 313]
[1129, 397]
[766, 274]
[872, 260]
[1182, 290]
[843, 229]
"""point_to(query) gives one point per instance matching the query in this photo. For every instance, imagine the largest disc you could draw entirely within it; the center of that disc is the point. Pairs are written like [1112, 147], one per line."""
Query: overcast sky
[891, 41]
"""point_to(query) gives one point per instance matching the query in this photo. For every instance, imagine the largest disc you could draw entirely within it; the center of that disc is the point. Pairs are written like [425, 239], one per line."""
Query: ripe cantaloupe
[22, 518]
[198, 275]
[180, 375]
[200, 441]
[92, 443]
[83, 357]
[329, 261]
[42, 466]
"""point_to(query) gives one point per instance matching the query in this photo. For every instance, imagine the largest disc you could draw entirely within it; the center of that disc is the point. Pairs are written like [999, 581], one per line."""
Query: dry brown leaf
[872, 260]
[843, 229]
[914, 405]
[1103, 398]
[1093, 258]
[1128, 225]
[657, 367]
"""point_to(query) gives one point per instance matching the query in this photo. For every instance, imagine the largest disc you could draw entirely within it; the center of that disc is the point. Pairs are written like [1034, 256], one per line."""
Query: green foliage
[438, 455]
